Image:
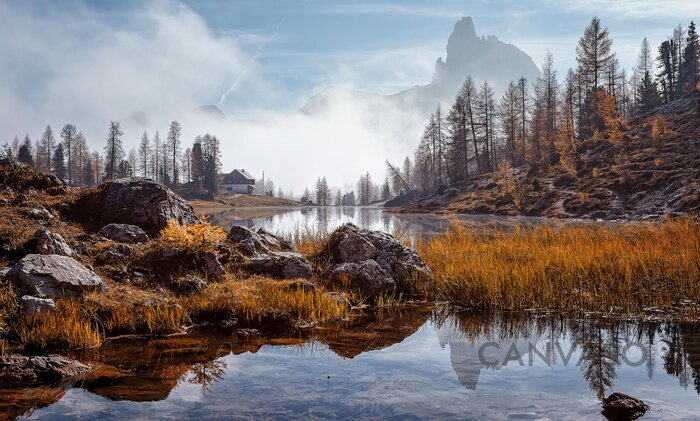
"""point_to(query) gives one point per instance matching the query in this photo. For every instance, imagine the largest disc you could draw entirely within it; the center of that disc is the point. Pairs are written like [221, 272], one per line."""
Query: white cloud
[637, 9]
[388, 9]
[74, 64]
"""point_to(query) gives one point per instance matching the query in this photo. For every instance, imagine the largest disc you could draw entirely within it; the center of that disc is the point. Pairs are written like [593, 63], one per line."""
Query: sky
[89, 62]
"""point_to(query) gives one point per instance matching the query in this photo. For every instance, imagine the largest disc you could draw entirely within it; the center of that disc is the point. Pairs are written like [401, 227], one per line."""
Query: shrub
[202, 236]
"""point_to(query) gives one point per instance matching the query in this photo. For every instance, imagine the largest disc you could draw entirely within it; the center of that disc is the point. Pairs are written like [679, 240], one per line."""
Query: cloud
[387, 9]
[72, 63]
[636, 9]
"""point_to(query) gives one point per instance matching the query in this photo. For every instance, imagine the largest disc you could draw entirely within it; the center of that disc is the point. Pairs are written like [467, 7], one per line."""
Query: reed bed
[595, 267]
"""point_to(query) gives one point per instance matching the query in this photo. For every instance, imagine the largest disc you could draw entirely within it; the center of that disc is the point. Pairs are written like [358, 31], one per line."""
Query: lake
[289, 222]
[403, 365]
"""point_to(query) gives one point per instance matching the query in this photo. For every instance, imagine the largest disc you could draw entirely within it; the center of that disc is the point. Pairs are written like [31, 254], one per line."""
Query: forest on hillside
[544, 123]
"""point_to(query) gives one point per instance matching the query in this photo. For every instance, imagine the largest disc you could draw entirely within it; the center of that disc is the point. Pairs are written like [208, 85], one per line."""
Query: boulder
[115, 254]
[619, 406]
[124, 233]
[135, 201]
[22, 371]
[32, 305]
[351, 244]
[367, 277]
[250, 242]
[52, 276]
[283, 265]
[47, 242]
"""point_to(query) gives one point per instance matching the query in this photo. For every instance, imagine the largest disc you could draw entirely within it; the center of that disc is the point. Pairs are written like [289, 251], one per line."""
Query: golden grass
[70, 326]
[258, 298]
[583, 267]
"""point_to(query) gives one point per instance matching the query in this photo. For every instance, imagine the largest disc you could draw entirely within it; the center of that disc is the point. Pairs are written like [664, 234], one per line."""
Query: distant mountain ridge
[485, 58]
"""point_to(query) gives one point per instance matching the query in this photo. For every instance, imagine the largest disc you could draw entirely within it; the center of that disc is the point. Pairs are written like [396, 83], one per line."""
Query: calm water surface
[311, 220]
[401, 366]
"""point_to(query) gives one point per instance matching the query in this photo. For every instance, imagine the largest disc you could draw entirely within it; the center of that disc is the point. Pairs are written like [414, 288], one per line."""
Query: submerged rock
[52, 276]
[367, 277]
[135, 201]
[351, 244]
[283, 265]
[47, 242]
[124, 233]
[23, 371]
[619, 407]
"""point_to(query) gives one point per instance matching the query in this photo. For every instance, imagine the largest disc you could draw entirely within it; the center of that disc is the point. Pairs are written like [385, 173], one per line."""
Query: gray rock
[367, 277]
[124, 233]
[40, 214]
[284, 265]
[402, 263]
[115, 254]
[23, 371]
[354, 248]
[135, 201]
[32, 305]
[47, 242]
[51, 276]
[261, 242]
[619, 406]
[209, 263]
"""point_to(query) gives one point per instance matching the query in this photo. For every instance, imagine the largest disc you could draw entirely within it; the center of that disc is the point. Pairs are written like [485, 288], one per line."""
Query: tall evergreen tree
[59, 162]
[691, 60]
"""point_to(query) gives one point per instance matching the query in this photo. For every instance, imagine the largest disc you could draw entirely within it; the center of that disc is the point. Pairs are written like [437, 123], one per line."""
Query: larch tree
[594, 53]
[47, 145]
[144, 154]
[114, 153]
[68, 134]
[174, 148]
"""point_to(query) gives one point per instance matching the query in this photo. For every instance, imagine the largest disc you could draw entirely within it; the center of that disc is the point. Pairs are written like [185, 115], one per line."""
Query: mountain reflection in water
[413, 364]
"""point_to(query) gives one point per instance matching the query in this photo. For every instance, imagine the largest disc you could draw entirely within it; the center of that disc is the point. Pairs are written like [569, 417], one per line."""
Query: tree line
[160, 159]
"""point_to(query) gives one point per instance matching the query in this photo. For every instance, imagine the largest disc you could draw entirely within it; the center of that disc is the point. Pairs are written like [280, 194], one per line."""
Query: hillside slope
[642, 175]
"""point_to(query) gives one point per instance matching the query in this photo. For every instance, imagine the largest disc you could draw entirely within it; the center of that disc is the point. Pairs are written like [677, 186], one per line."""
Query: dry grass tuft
[589, 267]
[69, 327]
[259, 298]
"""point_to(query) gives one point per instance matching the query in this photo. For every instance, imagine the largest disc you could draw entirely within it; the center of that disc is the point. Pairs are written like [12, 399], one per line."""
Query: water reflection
[404, 365]
[313, 220]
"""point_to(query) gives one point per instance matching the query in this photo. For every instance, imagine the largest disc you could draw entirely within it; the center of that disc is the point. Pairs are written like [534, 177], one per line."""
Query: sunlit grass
[69, 327]
[590, 266]
[259, 298]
